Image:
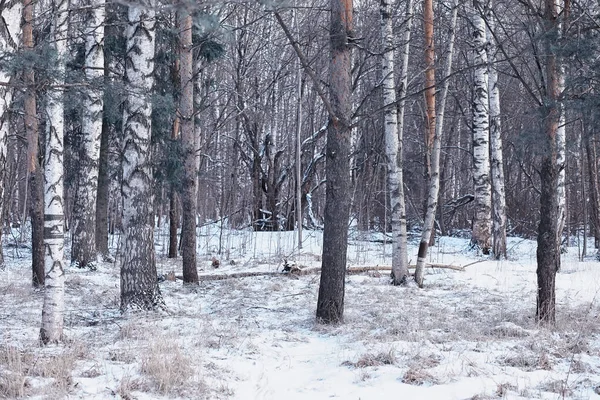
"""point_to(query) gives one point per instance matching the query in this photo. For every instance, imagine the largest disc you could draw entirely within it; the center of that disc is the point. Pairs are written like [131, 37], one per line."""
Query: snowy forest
[407, 190]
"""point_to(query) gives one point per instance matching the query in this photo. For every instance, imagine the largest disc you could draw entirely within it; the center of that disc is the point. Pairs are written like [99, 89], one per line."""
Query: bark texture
[548, 250]
[54, 219]
[35, 173]
[482, 219]
[83, 250]
[139, 288]
[9, 41]
[330, 303]
[497, 166]
[392, 149]
[188, 139]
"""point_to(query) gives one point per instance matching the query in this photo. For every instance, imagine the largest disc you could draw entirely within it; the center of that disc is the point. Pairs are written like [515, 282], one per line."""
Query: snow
[467, 334]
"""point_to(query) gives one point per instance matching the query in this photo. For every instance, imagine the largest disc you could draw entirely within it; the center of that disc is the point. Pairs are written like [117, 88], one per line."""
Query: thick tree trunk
[139, 288]
[83, 250]
[482, 219]
[54, 219]
[36, 176]
[189, 195]
[594, 191]
[497, 167]
[9, 41]
[330, 303]
[395, 181]
[102, 197]
[548, 250]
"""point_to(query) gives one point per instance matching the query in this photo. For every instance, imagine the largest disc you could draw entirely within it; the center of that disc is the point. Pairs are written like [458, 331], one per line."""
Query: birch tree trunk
[9, 41]
[548, 250]
[482, 220]
[392, 150]
[83, 250]
[139, 288]
[497, 167]
[35, 173]
[432, 141]
[188, 140]
[330, 303]
[54, 219]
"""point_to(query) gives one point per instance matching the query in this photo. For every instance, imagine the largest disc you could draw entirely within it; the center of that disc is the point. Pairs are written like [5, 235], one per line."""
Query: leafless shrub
[167, 367]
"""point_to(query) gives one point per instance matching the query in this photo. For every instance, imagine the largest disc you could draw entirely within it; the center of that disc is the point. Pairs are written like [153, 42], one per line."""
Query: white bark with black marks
[139, 288]
[482, 219]
[393, 151]
[54, 221]
[83, 250]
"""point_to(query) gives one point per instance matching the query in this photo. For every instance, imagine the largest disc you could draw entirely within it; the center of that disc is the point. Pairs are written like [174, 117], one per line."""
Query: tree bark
[497, 167]
[395, 181]
[330, 303]
[189, 195]
[548, 250]
[482, 219]
[9, 41]
[36, 177]
[139, 287]
[54, 219]
[83, 248]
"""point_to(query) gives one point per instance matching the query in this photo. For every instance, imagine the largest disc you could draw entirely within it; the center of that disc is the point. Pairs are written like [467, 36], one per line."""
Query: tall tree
[9, 42]
[83, 250]
[54, 219]
[497, 166]
[432, 141]
[548, 250]
[482, 220]
[139, 288]
[330, 303]
[35, 173]
[188, 139]
[395, 180]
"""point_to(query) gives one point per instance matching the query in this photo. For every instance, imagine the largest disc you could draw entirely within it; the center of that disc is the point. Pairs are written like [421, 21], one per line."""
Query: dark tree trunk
[36, 178]
[173, 222]
[189, 196]
[330, 304]
[103, 192]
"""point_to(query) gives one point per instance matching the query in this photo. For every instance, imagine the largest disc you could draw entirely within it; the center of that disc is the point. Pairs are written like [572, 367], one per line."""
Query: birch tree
[9, 42]
[139, 288]
[482, 220]
[497, 167]
[83, 250]
[392, 149]
[54, 219]
[188, 139]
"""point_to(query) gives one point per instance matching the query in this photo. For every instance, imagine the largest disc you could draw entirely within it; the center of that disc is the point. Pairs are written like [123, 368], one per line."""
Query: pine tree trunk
[482, 220]
[36, 176]
[102, 197]
[54, 219]
[83, 250]
[594, 191]
[392, 149]
[497, 167]
[548, 250]
[11, 15]
[330, 303]
[139, 288]
[189, 195]
[432, 143]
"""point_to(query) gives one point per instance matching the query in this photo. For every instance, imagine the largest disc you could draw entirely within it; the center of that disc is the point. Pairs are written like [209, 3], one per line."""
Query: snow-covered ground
[467, 335]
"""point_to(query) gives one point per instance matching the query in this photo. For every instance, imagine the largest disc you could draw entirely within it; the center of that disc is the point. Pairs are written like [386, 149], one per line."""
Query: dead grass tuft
[58, 364]
[503, 389]
[166, 366]
[13, 372]
[556, 386]
[418, 377]
[374, 360]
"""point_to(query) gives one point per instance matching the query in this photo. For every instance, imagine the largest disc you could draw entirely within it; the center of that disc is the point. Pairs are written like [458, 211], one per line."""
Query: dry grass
[417, 376]
[374, 360]
[13, 372]
[166, 366]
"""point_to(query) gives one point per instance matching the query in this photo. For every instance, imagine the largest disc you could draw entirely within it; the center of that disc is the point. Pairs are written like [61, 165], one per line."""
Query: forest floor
[467, 335]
